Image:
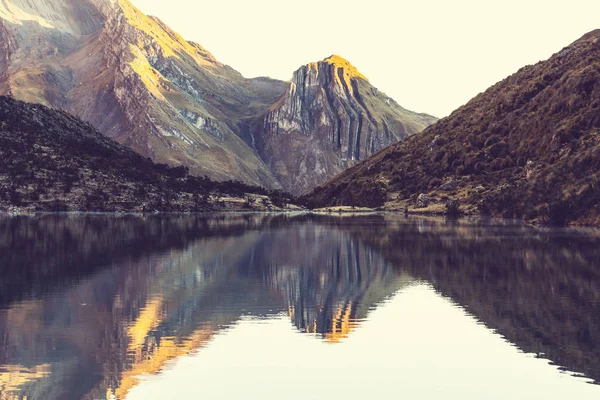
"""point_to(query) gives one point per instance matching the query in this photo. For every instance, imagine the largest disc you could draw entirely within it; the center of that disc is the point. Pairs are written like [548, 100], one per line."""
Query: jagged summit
[330, 118]
[341, 62]
[336, 59]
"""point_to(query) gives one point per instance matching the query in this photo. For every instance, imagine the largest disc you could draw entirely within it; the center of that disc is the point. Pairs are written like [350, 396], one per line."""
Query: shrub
[559, 213]
[499, 149]
[249, 202]
[453, 208]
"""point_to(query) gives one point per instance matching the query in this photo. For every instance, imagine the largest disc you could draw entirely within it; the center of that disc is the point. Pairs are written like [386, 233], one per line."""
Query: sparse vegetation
[531, 141]
[453, 209]
[51, 161]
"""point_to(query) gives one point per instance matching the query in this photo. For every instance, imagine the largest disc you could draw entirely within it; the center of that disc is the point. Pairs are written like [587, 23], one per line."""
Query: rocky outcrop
[526, 148]
[330, 118]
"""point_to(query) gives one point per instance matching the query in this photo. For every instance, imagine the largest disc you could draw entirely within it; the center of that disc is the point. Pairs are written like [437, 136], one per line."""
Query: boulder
[423, 201]
[449, 186]
[453, 208]
[434, 143]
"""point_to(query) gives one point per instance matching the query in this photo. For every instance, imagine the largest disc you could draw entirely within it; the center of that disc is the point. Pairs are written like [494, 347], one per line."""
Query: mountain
[135, 80]
[143, 85]
[529, 147]
[330, 118]
[52, 161]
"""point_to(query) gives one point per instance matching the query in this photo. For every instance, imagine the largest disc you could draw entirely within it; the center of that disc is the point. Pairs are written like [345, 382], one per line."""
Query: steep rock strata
[330, 118]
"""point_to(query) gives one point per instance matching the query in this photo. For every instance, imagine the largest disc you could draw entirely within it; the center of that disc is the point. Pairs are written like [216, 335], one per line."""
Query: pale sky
[429, 55]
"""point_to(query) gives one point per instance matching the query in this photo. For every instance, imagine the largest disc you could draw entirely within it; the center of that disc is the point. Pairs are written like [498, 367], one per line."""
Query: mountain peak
[336, 59]
[341, 62]
[336, 117]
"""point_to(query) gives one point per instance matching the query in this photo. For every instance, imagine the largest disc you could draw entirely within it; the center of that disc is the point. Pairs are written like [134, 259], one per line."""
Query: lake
[263, 306]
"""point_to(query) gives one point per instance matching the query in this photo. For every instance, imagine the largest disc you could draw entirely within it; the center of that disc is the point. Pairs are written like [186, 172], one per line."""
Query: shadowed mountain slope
[528, 147]
[50, 160]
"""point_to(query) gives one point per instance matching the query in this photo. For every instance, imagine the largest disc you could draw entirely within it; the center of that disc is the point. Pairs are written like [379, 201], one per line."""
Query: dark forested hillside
[529, 147]
[50, 160]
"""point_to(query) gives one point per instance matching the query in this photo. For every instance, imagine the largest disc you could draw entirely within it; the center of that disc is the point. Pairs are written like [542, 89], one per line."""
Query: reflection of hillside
[37, 253]
[93, 337]
[13, 377]
[538, 288]
[123, 321]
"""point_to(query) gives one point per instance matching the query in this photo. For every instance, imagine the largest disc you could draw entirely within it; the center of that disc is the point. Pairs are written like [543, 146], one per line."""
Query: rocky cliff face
[142, 84]
[529, 147]
[329, 119]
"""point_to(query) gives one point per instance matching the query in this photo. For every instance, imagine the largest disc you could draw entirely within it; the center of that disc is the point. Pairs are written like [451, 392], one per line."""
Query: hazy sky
[430, 55]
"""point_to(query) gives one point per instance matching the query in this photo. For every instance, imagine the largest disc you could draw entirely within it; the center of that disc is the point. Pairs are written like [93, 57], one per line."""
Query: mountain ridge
[142, 84]
[527, 148]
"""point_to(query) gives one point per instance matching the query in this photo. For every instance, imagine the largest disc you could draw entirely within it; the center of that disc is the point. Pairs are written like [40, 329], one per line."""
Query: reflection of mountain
[93, 336]
[538, 288]
[118, 297]
[129, 319]
[329, 281]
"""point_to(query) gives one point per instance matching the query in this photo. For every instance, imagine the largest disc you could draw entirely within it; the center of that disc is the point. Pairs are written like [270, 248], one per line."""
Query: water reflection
[539, 288]
[328, 280]
[86, 331]
[92, 303]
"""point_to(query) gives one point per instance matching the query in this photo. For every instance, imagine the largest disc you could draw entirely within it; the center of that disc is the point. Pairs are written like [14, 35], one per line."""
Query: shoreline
[332, 212]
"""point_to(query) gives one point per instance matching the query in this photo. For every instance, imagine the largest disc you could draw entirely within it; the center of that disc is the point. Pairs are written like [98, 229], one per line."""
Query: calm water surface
[296, 307]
